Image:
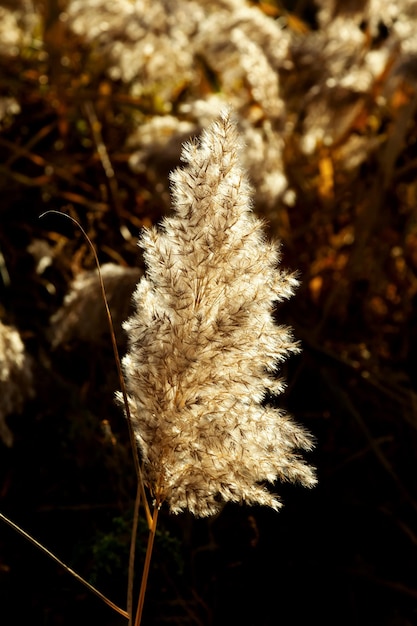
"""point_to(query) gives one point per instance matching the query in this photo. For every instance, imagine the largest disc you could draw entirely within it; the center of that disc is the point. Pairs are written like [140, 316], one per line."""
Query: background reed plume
[16, 378]
[204, 347]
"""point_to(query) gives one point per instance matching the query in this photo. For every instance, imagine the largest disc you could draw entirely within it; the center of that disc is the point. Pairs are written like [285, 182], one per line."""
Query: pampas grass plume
[16, 378]
[203, 345]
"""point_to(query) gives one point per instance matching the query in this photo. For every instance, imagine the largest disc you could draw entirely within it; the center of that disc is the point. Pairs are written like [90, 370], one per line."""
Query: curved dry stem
[141, 488]
[116, 356]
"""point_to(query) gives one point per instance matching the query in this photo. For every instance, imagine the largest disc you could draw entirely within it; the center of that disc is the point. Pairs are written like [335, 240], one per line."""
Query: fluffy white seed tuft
[203, 345]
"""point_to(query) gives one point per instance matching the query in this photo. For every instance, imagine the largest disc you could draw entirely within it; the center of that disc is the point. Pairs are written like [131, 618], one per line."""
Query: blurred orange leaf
[326, 177]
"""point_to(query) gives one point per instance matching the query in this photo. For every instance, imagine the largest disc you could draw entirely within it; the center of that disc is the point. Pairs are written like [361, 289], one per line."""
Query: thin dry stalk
[62, 564]
[140, 489]
[132, 552]
[148, 556]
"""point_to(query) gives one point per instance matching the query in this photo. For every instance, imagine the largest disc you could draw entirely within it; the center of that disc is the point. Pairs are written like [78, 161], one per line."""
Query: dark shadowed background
[329, 125]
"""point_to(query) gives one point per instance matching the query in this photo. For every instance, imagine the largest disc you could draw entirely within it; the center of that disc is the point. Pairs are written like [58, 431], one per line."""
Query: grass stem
[148, 556]
[66, 568]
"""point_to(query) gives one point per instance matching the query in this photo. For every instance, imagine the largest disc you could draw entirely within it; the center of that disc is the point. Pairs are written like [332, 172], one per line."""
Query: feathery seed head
[16, 378]
[204, 346]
